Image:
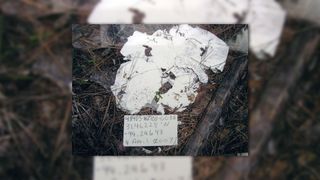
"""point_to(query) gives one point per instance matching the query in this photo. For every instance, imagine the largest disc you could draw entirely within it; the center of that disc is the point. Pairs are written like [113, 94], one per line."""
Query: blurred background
[35, 97]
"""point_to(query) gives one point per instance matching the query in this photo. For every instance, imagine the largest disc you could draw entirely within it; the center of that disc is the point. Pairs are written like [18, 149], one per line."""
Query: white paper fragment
[150, 130]
[130, 88]
[147, 151]
[168, 11]
[142, 168]
[240, 42]
[178, 58]
[186, 81]
[265, 17]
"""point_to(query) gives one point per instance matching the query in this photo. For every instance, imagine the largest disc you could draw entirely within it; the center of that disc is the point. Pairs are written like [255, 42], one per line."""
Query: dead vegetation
[279, 150]
[33, 106]
[98, 123]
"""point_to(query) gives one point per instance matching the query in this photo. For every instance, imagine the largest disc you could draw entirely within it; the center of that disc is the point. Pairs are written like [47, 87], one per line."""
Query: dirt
[35, 119]
[98, 122]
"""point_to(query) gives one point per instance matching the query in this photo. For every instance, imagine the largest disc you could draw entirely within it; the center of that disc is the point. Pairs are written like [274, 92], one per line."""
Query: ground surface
[98, 122]
[35, 103]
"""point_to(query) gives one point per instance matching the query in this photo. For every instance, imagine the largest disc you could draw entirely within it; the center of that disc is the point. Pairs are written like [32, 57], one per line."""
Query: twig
[214, 109]
[271, 104]
[62, 131]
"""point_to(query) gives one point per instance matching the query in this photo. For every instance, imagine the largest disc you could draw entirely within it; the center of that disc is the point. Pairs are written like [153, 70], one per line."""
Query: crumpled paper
[176, 58]
[265, 17]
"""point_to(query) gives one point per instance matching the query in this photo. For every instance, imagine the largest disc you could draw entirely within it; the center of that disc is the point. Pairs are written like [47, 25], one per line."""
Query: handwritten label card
[142, 168]
[150, 130]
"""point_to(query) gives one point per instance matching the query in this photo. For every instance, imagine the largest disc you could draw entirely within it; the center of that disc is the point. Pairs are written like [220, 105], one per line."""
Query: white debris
[240, 42]
[136, 83]
[265, 17]
[183, 91]
[178, 58]
[147, 151]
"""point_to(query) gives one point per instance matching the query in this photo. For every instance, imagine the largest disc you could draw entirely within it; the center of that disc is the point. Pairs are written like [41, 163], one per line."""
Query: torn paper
[265, 17]
[165, 69]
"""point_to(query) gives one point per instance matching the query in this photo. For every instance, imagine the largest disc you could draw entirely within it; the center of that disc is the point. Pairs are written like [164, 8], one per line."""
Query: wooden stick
[214, 109]
[272, 104]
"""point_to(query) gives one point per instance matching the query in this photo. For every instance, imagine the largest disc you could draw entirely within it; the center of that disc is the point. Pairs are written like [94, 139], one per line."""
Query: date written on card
[150, 130]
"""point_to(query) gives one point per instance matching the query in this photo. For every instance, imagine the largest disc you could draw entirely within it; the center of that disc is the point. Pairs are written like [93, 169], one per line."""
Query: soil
[35, 102]
[97, 121]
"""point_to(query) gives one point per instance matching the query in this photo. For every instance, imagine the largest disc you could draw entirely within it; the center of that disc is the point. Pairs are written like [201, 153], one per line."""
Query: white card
[142, 168]
[150, 130]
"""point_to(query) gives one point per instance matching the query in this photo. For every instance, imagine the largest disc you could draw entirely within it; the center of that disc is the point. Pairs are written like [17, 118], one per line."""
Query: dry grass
[34, 107]
[98, 123]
